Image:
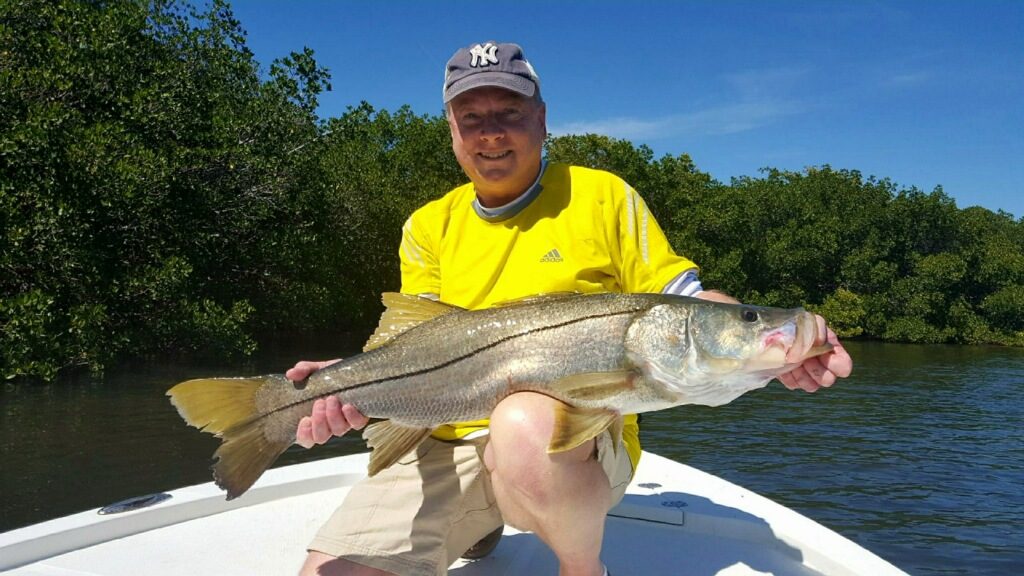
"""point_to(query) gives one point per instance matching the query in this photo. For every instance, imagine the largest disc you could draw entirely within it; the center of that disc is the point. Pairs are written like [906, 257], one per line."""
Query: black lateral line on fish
[454, 360]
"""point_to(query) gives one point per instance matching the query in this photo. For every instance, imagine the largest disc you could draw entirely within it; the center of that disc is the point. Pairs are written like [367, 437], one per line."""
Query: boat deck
[674, 519]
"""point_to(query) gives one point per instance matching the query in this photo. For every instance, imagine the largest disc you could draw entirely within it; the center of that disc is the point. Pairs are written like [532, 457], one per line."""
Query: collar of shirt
[506, 211]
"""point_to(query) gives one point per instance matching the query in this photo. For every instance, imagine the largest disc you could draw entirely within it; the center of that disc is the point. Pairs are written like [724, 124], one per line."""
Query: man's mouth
[494, 155]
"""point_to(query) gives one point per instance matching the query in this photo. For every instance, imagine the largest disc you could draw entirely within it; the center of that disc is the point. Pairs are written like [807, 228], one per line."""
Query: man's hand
[330, 417]
[820, 371]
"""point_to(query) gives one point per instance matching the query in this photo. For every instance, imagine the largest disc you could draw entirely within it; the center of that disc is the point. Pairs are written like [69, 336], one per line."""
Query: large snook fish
[428, 363]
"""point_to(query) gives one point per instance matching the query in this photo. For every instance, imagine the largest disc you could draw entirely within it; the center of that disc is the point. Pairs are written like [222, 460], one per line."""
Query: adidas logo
[552, 256]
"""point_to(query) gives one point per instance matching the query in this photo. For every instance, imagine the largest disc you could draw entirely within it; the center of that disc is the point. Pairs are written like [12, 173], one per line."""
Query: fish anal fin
[595, 386]
[402, 312]
[574, 426]
[390, 441]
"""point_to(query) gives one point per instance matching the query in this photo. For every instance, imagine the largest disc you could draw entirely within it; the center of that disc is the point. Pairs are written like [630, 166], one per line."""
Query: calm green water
[919, 456]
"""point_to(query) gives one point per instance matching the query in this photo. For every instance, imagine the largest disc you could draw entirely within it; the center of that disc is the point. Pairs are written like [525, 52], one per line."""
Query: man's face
[497, 136]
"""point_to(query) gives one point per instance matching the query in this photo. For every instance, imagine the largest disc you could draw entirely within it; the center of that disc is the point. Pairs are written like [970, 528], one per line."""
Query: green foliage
[146, 168]
[375, 169]
[25, 343]
[845, 312]
[1004, 309]
[968, 327]
[912, 329]
[159, 193]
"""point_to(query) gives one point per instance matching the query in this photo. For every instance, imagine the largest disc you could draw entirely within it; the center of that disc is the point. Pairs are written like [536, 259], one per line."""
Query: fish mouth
[806, 330]
[776, 345]
[789, 344]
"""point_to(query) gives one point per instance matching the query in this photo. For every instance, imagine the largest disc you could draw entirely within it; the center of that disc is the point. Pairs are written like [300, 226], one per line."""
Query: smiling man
[497, 136]
[520, 227]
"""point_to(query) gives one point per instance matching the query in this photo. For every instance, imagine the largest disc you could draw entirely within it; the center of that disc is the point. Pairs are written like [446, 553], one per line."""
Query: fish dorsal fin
[550, 296]
[391, 441]
[574, 426]
[402, 312]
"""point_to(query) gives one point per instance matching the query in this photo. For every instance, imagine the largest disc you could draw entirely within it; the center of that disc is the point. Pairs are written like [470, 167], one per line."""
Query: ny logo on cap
[483, 55]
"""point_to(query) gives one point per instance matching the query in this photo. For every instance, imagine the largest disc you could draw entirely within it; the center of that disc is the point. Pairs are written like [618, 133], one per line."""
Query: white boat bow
[673, 520]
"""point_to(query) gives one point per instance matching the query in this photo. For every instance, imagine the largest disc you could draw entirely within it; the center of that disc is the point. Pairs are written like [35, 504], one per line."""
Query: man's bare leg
[563, 498]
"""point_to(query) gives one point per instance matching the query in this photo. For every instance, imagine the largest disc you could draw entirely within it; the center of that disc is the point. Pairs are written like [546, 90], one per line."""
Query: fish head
[728, 338]
[710, 352]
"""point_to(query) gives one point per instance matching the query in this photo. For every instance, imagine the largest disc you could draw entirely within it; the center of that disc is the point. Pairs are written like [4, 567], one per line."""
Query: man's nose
[491, 128]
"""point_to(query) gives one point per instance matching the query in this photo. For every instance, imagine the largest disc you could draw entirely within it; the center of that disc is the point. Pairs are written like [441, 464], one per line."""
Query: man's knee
[521, 427]
[526, 417]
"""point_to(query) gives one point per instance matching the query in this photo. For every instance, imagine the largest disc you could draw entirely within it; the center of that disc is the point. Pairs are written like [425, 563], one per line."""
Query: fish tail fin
[226, 408]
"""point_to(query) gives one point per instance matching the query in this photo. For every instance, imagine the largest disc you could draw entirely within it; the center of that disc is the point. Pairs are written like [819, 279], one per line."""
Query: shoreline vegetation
[161, 194]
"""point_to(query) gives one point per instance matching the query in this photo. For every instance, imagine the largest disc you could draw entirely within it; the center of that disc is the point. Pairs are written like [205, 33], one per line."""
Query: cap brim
[512, 82]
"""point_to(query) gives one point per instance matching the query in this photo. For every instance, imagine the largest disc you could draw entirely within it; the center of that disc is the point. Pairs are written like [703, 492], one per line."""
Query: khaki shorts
[442, 494]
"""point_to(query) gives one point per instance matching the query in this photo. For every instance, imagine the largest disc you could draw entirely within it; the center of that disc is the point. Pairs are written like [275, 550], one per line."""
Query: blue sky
[925, 93]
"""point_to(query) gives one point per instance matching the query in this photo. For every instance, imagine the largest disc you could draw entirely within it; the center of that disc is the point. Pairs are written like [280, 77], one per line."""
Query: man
[519, 228]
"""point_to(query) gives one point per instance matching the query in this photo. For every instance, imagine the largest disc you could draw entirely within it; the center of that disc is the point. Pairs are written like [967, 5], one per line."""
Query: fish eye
[748, 315]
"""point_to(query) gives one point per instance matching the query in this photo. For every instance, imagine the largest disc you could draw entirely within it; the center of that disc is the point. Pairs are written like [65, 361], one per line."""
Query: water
[919, 456]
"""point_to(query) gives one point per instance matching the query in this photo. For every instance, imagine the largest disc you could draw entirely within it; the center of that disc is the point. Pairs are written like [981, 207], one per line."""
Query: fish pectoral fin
[574, 426]
[391, 441]
[402, 312]
[595, 386]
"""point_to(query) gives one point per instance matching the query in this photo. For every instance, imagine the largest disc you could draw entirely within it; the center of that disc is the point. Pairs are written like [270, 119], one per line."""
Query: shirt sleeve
[685, 284]
[421, 273]
[648, 263]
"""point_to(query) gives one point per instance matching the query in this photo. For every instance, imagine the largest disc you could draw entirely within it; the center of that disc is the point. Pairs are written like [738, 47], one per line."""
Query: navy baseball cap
[489, 64]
